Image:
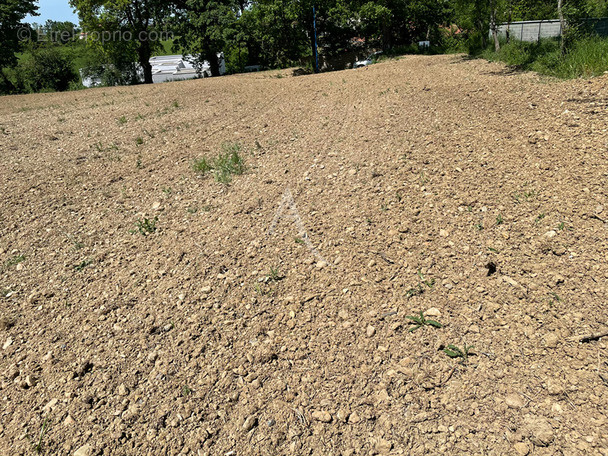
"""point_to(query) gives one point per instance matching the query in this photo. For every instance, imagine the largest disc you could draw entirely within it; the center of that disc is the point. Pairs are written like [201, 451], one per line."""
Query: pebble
[514, 401]
[521, 448]
[68, 421]
[8, 343]
[444, 233]
[370, 331]
[50, 405]
[206, 290]
[30, 381]
[551, 340]
[157, 206]
[555, 388]
[354, 418]
[550, 234]
[324, 417]
[250, 423]
[343, 415]
[321, 264]
[432, 312]
[122, 390]
[85, 450]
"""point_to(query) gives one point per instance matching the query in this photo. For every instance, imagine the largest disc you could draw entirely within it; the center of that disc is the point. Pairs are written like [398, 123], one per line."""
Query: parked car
[368, 61]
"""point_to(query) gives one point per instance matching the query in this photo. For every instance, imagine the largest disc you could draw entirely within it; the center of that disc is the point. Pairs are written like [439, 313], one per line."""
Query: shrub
[585, 57]
[45, 69]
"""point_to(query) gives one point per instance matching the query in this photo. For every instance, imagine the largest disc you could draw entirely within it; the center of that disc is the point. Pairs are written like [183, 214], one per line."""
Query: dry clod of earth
[322, 416]
[147, 309]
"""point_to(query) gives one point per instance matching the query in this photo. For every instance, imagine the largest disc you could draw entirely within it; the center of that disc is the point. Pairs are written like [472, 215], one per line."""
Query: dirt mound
[146, 309]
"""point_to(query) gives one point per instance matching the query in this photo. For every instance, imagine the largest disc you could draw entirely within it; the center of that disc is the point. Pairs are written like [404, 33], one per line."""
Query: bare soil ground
[434, 184]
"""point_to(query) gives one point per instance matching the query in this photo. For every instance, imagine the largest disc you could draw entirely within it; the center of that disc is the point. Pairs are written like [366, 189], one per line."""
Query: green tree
[45, 69]
[125, 27]
[12, 12]
[59, 32]
[277, 30]
[205, 27]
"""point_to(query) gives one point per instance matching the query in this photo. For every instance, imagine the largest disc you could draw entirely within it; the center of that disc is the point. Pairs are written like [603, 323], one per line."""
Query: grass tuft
[228, 163]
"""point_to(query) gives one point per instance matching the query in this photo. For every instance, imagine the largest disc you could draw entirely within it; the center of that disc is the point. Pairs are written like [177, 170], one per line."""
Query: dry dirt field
[436, 184]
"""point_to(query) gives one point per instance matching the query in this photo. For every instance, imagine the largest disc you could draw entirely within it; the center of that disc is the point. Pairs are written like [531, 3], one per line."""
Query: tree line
[270, 33]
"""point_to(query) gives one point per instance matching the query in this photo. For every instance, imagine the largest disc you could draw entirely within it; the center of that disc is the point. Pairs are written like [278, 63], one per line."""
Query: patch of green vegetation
[83, 264]
[499, 219]
[454, 352]
[554, 298]
[585, 57]
[228, 163]
[524, 196]
[274, 275]
[139, 140]
[145, 226]
[122, 120]
[14, 261]
[263, 290]
[420, 320]
[101, 148]
[419, 289]
[38, 444]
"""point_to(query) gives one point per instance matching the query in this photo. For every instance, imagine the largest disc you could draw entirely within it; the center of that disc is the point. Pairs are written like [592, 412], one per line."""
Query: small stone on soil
[432, 312]
[85, 450]
[324, 417]
[250, 423]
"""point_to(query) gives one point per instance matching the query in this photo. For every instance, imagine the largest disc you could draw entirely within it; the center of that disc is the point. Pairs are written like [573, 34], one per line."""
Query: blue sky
[57, 10]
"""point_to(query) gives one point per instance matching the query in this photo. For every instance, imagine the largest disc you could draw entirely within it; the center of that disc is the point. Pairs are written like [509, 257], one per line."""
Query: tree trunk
[484, 41]
[562, 25]
[494, 26]
[509, 20]
[214, 65]
[144, 52]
